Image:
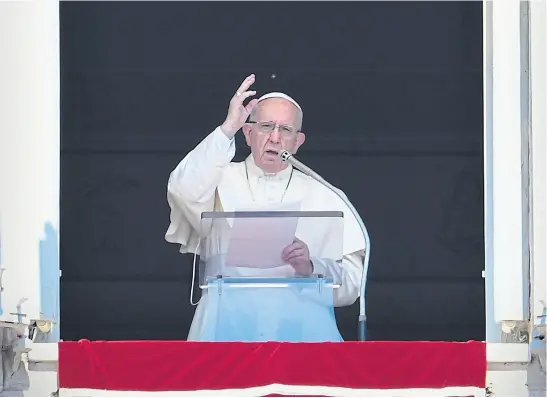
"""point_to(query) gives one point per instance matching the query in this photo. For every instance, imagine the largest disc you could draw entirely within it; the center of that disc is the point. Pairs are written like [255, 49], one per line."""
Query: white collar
[256, 172]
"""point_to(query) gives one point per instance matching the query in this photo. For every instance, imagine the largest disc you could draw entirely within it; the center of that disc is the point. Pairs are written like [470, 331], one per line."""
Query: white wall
[538, 28]
[29, 154]
[29, 166]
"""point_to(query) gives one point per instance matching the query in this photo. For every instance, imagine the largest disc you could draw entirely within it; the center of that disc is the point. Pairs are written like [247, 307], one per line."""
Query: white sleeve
[349, 273]
[197, 175]
[191, 187]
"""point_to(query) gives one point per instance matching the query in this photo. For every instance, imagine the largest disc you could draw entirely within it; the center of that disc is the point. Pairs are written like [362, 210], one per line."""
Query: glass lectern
[251, 294]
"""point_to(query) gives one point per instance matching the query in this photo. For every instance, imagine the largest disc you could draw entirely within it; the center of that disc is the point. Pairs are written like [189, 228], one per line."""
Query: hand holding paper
[297, 255]
[258, 242]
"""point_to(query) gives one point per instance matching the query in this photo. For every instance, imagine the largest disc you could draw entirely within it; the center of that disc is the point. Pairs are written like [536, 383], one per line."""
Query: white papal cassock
[208, 175]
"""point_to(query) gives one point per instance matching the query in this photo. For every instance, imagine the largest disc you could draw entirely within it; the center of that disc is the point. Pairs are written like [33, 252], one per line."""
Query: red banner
[191, 366]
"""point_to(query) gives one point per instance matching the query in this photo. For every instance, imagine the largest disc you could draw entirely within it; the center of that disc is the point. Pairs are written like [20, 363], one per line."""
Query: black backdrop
[392, 95]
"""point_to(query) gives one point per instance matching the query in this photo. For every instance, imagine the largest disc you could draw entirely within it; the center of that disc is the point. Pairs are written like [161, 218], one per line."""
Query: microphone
[289, 158]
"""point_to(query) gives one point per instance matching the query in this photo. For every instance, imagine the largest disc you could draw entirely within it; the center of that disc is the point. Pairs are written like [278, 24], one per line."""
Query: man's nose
[275, 137]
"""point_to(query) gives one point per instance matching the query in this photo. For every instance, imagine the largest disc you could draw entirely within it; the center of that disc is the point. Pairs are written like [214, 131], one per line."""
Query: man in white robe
[207, 179]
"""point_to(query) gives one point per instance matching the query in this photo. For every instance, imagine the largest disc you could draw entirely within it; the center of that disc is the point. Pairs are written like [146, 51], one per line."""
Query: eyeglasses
[269, 127]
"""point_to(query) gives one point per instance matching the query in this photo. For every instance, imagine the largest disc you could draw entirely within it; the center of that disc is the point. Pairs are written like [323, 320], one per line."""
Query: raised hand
[237, 112]
[297, 255]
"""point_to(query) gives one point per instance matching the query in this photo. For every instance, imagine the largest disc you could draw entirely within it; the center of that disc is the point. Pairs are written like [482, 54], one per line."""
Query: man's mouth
[271, 152]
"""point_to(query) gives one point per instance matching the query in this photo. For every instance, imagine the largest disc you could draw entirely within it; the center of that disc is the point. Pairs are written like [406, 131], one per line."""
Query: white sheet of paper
[259, 242]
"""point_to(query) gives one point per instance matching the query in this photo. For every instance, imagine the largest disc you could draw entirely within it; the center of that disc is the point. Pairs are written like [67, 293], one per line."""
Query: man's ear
[247, 132]
[300, 138]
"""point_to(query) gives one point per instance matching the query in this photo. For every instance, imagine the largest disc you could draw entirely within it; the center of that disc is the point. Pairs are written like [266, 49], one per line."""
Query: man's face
[275, 128]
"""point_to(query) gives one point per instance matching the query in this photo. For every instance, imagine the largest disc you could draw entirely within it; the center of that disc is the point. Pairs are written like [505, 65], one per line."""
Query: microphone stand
[289, 158]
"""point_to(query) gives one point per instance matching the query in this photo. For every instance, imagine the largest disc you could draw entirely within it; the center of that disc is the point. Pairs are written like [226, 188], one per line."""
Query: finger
[286, 251]
[242, 96]
[291, 249]
[246, 83]
[296, 255]
[296, 243]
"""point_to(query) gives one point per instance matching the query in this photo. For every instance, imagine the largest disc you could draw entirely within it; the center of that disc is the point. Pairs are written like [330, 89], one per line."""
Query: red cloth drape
[189, 366]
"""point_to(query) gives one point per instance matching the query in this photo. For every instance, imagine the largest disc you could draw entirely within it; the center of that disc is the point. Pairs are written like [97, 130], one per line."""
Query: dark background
[392, 98]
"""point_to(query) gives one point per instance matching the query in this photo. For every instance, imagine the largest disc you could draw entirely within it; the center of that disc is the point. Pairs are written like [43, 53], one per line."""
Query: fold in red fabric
[191, 366]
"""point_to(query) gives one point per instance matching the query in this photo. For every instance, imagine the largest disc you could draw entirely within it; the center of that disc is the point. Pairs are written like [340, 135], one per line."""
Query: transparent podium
[251, 294]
